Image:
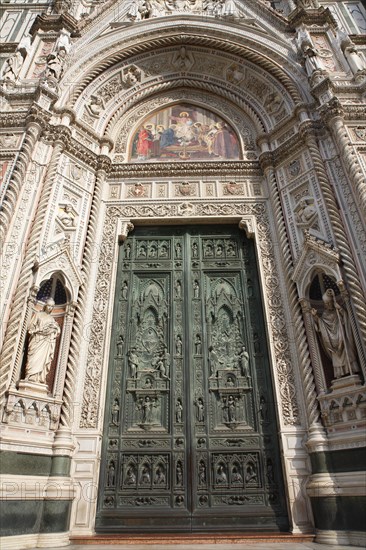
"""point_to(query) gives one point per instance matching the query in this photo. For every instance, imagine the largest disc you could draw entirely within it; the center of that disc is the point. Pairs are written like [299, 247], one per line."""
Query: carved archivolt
[277, 324]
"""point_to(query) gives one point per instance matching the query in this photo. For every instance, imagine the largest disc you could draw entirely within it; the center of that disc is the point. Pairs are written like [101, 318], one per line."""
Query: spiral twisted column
[14, 338]
[16, 182]
[349, 266]
[304, 360]
[77, 329]
[332, 115]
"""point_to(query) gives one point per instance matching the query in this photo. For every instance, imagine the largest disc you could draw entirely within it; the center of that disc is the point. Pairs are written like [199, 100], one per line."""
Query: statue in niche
[336, 336]
[146, 407]
[166, 360]
[111, 474]
[130, 478]
[115, 412]
[201, 473]
[198, 345]
[208, 250]
[55, 64]
[225, 415]
[179, 474]
[221, 476]
[178, 290]
[244, 362]
[120, 343]
[124, 290]
[196, 289]
[195, 250]
[160, 477]
[311, 58]
[231, 409]
[351, 53]
[160, 366]
[153, 252]
[133, 362]
[179, 345]
[142, 251]
[178, 251]
[13, 66]
[128, 251]
[214, 360]
[306, 213]
[178, 411]
[251, 474]
[43, 332]
[200, 410]
[145, 476]
[230, 382]
[236, 476]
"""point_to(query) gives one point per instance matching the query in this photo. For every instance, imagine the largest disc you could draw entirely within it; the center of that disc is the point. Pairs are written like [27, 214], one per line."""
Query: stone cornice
[10, 119]
[354, 112]
[8, 47]
[196, 169]
[312, 17]
[359, 39]
[46, 23]
[288, 148]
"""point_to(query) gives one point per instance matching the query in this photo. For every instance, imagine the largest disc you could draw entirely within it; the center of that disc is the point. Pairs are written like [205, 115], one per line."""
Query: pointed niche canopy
[183, 132]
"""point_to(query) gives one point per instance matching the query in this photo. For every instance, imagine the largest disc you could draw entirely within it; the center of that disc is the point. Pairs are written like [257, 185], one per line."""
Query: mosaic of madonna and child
[184, 132]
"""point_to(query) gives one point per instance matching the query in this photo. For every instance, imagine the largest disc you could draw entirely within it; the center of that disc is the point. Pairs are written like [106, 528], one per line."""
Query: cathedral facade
[183, 269]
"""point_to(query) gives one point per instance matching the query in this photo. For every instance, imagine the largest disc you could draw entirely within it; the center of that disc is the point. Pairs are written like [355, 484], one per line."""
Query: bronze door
[190, 432]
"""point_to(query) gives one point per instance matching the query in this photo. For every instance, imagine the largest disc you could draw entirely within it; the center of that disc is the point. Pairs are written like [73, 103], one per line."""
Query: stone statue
[200, 413]
[12, 67]
[115, 412]
[95, 105]
[215, 362]
[67, 217]
[306, 213]
[43, 332]
[55, 63]
[336, 336]
[244, 361]
[178, 411]
[311, 59]
[138, 10]
[350, 52]
[133, 362]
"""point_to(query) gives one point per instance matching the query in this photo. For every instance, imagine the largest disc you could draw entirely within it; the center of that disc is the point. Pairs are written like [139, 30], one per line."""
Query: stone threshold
[191, 538]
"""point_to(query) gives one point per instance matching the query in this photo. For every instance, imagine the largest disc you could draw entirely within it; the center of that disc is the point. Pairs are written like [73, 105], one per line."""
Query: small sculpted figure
[336, 336]
[43, 332]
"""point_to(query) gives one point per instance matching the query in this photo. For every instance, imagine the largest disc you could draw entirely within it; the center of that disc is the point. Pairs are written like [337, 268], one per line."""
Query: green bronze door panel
[190, 433]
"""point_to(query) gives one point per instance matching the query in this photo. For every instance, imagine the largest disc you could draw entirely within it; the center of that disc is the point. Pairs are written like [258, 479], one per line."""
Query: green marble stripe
[348, 460]
[34, 464]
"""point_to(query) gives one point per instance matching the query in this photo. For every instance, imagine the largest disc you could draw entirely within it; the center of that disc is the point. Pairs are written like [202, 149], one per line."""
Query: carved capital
[331, 110]
[124, 229]
[104, 163]
[266, 160]
[247, 225]
[37, 115]
[305, 305]
[60, 134]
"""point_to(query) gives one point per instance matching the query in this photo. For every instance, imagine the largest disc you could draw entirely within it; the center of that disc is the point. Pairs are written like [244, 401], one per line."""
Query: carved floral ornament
[255, 222]
[117, 87]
